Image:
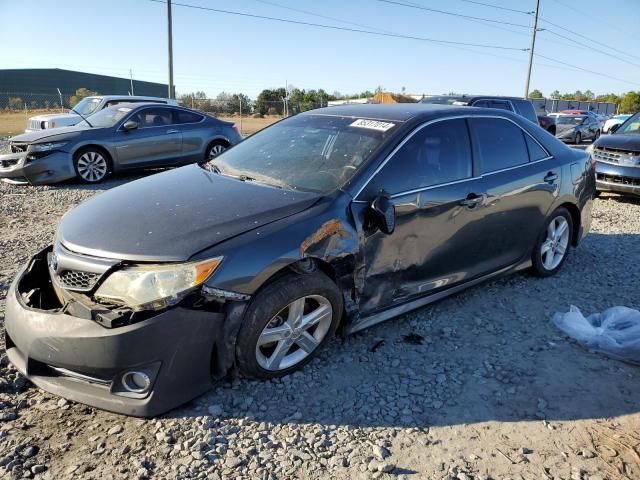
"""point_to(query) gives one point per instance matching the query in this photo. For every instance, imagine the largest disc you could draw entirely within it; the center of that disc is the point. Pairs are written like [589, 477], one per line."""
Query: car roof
[130, 97]
[399, 112]
[473, 97]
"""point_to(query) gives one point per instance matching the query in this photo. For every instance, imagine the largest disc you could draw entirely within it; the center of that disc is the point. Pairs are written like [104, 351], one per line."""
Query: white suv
[87, 106]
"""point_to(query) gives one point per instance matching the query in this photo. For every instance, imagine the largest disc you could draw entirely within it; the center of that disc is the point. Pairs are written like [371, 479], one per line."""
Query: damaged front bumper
[24, 168]
[176, 352]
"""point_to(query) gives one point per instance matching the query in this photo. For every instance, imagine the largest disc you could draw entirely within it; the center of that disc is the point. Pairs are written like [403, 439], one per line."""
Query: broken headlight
[153, 287]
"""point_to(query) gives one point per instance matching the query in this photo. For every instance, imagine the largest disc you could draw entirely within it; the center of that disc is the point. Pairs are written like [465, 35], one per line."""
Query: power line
[453, 14]
[497, 7]
[585, 70]
[588, 38]
[346, 29]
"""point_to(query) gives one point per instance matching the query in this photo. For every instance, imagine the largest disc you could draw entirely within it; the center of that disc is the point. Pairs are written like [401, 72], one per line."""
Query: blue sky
[215, 52]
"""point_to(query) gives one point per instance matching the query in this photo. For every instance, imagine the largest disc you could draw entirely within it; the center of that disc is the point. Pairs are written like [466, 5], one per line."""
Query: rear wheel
[597, 135]
[286, 324]
[91, 164]
[578, 138]
[215, 148]
[553, 244]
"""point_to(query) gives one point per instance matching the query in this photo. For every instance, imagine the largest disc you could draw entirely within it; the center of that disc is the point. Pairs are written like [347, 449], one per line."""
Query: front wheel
[578, 138]
[91, 164]
[286, 324]
[553, 244]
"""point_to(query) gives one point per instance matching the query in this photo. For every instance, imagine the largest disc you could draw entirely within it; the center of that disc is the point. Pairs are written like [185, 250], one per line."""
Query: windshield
[87, 106]
[317, 153]
[631, 125]
[570, 120]
[445, 100]
[106, 118]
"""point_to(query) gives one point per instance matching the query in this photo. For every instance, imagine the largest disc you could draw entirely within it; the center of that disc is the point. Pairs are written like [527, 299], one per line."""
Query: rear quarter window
[187, 117]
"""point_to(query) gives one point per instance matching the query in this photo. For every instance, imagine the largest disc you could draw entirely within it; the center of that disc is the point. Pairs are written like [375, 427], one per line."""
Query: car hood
[51, 135]
[620, 141]
[66, 117]
[173, 215]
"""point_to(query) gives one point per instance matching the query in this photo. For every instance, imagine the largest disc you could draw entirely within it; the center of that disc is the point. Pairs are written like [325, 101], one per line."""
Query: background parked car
[617, 158]
[597, 117]
[548, 123]
[576, 128]
[123, 137]
[615, 120]
[86, 107]
[517, 105]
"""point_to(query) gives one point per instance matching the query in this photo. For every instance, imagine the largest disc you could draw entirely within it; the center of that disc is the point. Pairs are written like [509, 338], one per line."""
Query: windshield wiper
[83, 117]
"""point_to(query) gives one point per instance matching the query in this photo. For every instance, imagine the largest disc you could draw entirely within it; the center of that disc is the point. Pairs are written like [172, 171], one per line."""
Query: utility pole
[533, 46]
[170, 39]
[131, 79]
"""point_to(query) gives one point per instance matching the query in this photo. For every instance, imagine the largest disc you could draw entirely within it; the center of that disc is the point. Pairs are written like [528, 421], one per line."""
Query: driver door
[430, 181]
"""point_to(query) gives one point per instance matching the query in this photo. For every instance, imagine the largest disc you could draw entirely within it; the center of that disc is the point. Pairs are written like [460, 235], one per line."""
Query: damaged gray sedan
[332, 220]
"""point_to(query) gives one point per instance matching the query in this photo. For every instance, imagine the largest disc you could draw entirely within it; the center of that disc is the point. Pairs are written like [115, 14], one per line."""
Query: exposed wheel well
[552, 129]
[575, 220]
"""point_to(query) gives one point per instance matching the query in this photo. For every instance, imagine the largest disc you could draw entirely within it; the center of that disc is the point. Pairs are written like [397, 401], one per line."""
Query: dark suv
[520, 106]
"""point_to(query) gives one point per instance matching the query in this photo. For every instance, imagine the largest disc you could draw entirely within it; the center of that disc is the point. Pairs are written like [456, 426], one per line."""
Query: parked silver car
[122, 137]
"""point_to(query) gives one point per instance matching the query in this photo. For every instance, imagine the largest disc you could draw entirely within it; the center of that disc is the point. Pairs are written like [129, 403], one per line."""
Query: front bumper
[617, 178]
[53, 168]
[181, 349]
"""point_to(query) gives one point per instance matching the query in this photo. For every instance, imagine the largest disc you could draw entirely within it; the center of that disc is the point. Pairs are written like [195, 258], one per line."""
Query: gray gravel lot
[480, 385]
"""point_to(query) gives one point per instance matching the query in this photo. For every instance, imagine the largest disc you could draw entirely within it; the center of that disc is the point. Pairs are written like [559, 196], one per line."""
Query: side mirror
[384, 212]
[130, 125]
[614, 128]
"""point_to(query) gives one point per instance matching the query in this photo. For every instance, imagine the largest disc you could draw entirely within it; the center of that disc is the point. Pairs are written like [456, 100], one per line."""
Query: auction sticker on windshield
[372, 124]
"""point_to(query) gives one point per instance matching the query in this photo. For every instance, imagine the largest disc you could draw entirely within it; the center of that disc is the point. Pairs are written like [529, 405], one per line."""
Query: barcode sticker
[373, 124]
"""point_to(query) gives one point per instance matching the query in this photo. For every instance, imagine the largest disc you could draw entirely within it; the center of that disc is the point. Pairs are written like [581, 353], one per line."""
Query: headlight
[45, 147]
[152, 287]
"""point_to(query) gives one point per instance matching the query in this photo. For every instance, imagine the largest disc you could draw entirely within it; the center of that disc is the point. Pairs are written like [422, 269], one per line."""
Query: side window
[482, 104]
[500, 143]
[501, 104]
[183, 116]
[154, 117]
[439, 153]
[111, 103]
[536, 152]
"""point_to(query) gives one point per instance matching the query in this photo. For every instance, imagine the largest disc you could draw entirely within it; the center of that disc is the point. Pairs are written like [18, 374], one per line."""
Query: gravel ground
[478, 386]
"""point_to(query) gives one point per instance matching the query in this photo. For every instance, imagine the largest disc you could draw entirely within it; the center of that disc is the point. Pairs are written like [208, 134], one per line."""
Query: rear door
[156, 141]
[520, 180]
[195, 134]
[431, 183]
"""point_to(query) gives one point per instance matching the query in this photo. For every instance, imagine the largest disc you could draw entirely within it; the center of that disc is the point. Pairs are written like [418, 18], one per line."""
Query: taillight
[235, 127]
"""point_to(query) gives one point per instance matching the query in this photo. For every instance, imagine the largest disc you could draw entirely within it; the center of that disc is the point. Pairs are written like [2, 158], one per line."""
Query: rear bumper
[616, 178]
[55, 167]
[178, 349]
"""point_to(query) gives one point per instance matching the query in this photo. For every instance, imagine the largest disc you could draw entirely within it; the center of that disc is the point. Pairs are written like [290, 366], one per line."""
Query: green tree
[79, 95]
[269, 101]
[608, 98]
[555, 95]
[629, 103]
[536, 94]
[15, 103]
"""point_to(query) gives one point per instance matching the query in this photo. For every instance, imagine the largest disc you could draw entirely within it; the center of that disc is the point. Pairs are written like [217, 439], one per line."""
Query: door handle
[472, 200]
[551, 177]
[173, 131]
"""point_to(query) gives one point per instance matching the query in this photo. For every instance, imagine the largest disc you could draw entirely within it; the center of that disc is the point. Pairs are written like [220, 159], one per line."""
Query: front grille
[77, 280]
[617, 157]
[619, 179]
[18, 147]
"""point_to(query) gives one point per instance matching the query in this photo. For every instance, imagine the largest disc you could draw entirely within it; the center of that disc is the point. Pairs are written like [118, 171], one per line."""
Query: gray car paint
[332, 232]
[145, 147]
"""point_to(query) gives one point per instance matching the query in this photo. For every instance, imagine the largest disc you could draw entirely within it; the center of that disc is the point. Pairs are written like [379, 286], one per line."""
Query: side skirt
[366, 322]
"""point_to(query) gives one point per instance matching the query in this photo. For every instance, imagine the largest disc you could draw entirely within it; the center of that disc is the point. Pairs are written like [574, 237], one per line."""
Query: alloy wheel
[92, 166]
[216, 150]
[555, 245]
[294, 333]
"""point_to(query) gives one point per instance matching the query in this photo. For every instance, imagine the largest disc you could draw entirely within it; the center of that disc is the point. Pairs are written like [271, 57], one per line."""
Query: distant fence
[551, 106]
[17, 107]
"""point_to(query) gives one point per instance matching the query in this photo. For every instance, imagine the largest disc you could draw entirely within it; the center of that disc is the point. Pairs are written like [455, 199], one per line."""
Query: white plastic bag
[614, 332]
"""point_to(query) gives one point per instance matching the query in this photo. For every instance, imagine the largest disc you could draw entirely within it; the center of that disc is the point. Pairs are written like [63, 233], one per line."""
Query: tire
[597, 135]
[578, 138]
[548, 254]
[214, 149]
[91, 164]
[267, 345]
